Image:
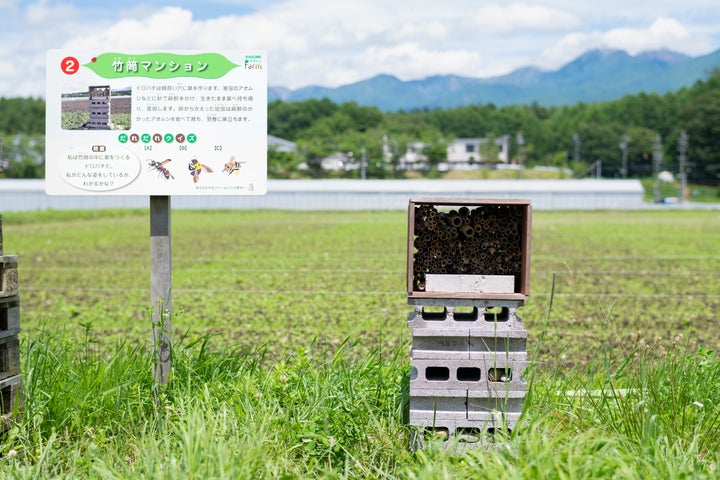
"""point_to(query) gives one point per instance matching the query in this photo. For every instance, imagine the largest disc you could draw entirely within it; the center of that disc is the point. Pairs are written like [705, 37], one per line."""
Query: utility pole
[624, 148]
[683, 143]
[521, 159]
[657, 161]
[576, 151]
[363, 164]
[520, 140]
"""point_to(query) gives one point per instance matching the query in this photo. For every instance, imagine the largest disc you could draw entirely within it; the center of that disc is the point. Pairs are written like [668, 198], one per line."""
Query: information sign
[156, 123]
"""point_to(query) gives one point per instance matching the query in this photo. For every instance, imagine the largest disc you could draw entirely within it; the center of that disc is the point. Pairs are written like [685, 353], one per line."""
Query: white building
[24, 195]
[281, 145]
[469, 151]
[414, 157]
[461, 153]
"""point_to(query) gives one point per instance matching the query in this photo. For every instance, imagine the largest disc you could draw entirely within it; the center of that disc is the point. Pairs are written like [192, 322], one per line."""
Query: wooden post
[161, 287]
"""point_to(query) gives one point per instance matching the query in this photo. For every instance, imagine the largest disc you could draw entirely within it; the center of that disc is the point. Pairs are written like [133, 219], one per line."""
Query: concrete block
[9, 356]
[462, 434]
[427, 405]
[9, 316]
[10, 396]
[453, 422]
[8, 276]
[450, 344]
[510, 406]
[514, 342]
[490, 319]
[516, 359]
[488, 371]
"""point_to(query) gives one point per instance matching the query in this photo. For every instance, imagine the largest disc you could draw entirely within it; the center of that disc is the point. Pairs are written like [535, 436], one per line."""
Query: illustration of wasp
[233, 167]
[160, 168]
[196, 167]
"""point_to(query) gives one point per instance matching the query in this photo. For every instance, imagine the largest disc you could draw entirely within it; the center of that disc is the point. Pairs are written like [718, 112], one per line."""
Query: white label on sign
[447, 283]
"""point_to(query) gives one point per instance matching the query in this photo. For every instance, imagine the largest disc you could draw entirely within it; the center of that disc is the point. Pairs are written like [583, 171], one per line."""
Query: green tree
[22, 116]
[23, 156]
[640, 150]
[700, 118]
[489, 149]
[288, 119]
[281, 164]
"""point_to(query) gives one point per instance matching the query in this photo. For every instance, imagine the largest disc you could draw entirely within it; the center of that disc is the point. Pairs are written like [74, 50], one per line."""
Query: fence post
[161, 287]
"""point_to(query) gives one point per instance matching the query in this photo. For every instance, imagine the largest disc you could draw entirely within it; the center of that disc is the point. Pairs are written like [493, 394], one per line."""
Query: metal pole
[161, 287]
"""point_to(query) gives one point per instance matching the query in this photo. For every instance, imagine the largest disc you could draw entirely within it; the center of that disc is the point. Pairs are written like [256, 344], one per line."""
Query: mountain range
[597, 75]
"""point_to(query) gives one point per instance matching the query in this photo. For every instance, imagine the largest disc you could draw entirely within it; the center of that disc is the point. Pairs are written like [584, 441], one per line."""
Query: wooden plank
[525, 266]
[468, 201]
[469, 296]
[410, 246]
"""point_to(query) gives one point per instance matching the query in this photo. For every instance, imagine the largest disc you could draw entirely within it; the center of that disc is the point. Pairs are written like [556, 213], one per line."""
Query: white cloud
[331, 43]
[663, 33]
[165, 28]
[520, 17]
[44, 15]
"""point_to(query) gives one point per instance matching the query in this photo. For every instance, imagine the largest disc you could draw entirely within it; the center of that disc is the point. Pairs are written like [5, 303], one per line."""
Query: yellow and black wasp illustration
[196, 167]
[233, 166]
[161, 168]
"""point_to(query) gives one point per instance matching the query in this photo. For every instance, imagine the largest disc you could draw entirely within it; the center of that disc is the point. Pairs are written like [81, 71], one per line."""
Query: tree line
[624, 135]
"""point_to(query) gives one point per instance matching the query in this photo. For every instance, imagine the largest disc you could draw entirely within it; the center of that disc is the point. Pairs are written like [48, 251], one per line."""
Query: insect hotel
[468, 266]
[10, 379]
[99, 98]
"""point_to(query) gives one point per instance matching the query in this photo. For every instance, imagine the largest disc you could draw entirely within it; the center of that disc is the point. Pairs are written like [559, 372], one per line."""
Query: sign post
[161, 287]
[158, 124]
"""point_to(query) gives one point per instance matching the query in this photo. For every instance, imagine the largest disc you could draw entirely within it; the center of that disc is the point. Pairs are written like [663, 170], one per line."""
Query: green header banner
[160, 65]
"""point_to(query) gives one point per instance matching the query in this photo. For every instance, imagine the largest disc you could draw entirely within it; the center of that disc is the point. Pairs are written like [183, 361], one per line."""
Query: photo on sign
[98, 107]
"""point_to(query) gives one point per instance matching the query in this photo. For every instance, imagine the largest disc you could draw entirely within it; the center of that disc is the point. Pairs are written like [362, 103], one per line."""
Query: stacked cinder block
[468, 272]
[10, 379]
[99, 98]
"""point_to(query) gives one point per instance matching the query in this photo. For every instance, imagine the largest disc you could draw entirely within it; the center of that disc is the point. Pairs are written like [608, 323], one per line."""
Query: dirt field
[118, 105]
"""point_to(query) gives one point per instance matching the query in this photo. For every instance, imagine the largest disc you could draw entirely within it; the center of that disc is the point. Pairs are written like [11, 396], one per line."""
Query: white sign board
[156, 123]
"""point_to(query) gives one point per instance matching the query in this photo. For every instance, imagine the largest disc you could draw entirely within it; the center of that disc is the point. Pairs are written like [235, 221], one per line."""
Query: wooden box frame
[522, 288]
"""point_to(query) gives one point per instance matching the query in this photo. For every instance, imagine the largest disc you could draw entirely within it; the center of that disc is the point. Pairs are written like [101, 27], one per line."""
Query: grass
[291, 349]
[695, 192]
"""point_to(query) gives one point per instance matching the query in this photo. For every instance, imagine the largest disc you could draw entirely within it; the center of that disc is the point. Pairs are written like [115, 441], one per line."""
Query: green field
[292, 348]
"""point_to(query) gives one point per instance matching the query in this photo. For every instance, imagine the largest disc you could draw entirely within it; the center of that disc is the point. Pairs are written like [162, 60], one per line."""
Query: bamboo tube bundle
[484, 240]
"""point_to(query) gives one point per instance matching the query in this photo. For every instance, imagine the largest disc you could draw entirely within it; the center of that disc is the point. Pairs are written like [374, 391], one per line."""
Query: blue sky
[336, 42]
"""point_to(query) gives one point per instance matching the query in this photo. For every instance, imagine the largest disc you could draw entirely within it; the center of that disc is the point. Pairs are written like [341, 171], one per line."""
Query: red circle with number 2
[69, 65]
